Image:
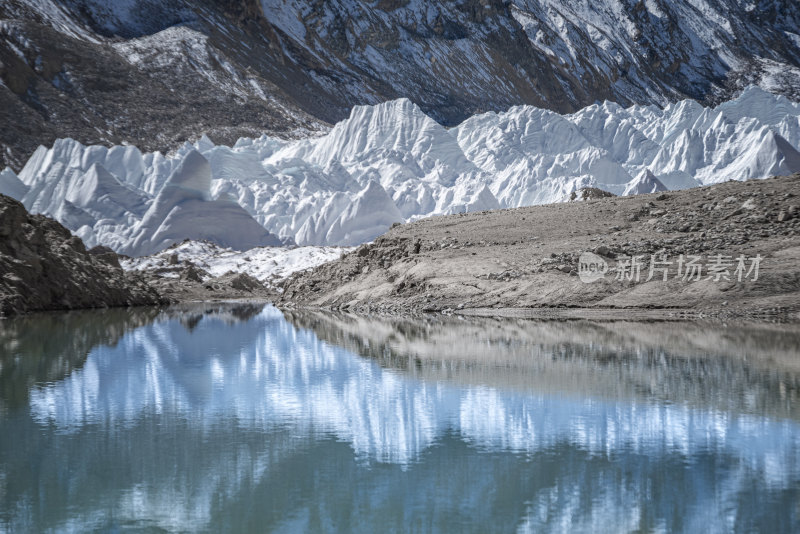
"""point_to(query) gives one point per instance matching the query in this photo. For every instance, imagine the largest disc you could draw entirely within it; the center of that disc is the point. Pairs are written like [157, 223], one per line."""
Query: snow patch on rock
[266, 264]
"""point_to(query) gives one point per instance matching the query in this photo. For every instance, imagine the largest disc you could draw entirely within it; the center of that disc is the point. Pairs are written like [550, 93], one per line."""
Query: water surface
[239, 418]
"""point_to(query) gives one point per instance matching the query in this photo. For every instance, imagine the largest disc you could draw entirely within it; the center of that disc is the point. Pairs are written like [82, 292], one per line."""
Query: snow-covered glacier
[390, 163]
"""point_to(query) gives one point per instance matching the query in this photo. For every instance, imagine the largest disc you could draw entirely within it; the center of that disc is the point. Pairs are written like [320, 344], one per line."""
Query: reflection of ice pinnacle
[591, 267]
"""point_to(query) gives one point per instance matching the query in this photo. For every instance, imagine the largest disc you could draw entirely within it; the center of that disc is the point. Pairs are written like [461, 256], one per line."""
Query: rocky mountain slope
[392, 163]
[529, 257]
[44, 267]
[156, 72]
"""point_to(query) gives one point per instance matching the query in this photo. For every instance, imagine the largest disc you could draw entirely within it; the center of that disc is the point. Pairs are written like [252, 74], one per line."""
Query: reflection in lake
[231, 418]
[46, 347]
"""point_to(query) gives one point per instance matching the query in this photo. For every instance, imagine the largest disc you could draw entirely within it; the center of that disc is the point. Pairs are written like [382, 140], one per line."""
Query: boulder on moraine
[44, 267]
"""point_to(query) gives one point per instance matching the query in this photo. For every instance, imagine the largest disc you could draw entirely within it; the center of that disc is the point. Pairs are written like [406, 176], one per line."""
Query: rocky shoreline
[526, 261]
[44, 267]
[192, 284]
[523, 263]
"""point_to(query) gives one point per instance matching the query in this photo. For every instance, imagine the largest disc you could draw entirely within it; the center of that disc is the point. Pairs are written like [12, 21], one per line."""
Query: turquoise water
[239, 418]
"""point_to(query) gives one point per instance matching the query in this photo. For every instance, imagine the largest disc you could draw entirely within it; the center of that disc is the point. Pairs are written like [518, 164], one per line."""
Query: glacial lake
[241, 418]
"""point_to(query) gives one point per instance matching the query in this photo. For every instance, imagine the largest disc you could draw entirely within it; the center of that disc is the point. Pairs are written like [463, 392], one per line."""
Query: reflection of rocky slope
[155, 72]
[44, 267]
[740, 369]
[211, 423]
[528, 257]
[41, 348]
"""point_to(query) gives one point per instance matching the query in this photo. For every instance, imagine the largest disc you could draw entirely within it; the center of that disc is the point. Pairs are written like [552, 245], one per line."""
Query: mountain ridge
[156, 72]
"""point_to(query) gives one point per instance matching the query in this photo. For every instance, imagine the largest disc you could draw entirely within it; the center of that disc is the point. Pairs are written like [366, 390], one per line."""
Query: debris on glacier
[268, 265]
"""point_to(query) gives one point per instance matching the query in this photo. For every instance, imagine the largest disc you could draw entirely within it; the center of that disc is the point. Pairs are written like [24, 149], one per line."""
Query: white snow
[184, 209]
[391, 162]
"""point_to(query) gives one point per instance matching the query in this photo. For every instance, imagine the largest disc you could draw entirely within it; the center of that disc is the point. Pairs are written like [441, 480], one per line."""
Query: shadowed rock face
[44, 267]
[155, 72]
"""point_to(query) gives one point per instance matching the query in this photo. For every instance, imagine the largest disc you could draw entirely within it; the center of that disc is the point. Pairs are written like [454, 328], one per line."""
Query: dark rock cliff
[44, 267]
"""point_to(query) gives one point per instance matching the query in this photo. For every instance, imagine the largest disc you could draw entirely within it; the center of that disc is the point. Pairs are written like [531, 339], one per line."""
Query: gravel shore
[527, 261]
